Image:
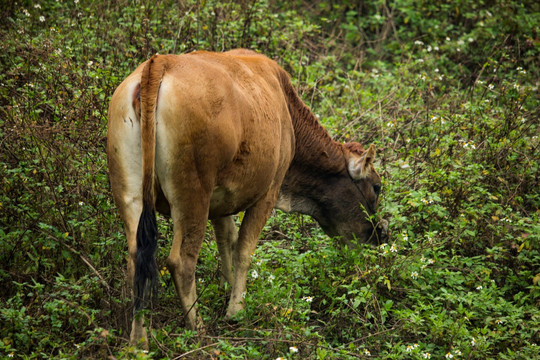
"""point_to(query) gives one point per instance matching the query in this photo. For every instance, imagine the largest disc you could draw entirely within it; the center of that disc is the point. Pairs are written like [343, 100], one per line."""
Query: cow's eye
[377, 188]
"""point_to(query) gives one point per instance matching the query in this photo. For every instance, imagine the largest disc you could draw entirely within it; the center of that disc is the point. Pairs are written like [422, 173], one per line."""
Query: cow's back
[222, 123]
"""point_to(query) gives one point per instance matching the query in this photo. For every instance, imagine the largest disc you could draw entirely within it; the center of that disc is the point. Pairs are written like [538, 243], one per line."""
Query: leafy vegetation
[447, 90]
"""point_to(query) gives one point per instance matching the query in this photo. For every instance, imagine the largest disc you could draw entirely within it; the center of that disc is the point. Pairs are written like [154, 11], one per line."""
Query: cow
[202, 136]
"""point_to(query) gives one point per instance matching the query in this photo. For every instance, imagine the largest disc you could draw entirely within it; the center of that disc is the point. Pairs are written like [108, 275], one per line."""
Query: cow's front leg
[226, 237]
[254, 220]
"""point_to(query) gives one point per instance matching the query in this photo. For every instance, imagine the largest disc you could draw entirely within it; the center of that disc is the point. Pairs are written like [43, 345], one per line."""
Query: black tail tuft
[146, 271]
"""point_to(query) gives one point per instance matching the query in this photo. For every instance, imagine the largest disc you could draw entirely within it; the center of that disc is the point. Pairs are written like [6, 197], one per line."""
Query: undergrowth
[446, 90]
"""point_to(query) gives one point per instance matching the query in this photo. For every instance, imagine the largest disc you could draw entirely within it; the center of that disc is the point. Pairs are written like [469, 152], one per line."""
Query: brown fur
[312, 140]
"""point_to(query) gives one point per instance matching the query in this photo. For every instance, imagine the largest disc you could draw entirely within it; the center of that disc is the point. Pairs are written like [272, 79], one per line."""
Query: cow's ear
[359, 166]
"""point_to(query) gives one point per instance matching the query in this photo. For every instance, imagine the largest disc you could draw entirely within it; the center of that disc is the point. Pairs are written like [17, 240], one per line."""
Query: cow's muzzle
[382, 231]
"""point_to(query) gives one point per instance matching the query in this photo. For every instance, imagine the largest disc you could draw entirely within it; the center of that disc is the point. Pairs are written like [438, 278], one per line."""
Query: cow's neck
[317, 157]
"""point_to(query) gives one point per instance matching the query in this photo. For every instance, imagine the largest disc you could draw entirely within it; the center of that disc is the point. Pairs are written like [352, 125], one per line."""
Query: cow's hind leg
[126, 191]
[226, 237]
[189, 228]
[130, 211]
[138, 334]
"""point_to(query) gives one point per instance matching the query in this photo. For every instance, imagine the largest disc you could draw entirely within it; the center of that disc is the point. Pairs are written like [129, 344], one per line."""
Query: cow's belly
[240, 192]
[223, 203]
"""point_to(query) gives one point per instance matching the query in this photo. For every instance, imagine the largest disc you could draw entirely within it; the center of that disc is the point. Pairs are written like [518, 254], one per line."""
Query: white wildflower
[469, 145]
[366, 352]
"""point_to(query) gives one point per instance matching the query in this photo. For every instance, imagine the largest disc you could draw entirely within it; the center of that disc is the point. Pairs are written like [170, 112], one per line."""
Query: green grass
[448, 91]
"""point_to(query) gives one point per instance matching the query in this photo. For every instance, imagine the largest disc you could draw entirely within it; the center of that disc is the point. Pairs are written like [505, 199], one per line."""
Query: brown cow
[205, 135]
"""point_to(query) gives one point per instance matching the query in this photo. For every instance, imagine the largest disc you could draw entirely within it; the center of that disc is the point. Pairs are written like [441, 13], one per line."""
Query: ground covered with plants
[447, 91]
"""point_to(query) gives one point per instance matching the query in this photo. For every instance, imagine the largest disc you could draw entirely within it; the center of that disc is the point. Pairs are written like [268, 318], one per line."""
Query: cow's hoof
[139, 339]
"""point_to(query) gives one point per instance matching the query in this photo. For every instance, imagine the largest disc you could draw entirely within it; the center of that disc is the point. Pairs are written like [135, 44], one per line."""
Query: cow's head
[342, 200]
[349, 204]
[358, 191]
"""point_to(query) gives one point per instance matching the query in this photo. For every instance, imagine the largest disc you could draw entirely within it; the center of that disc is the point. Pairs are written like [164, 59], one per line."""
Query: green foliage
[447, 90]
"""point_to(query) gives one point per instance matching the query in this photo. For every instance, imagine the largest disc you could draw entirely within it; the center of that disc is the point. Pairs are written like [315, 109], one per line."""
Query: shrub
[446, 90]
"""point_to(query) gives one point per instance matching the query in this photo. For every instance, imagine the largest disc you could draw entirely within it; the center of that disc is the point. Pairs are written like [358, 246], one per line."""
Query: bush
[446, 90]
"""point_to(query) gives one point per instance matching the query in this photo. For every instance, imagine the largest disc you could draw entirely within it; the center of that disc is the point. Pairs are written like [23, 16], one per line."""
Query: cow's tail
[146, 271]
